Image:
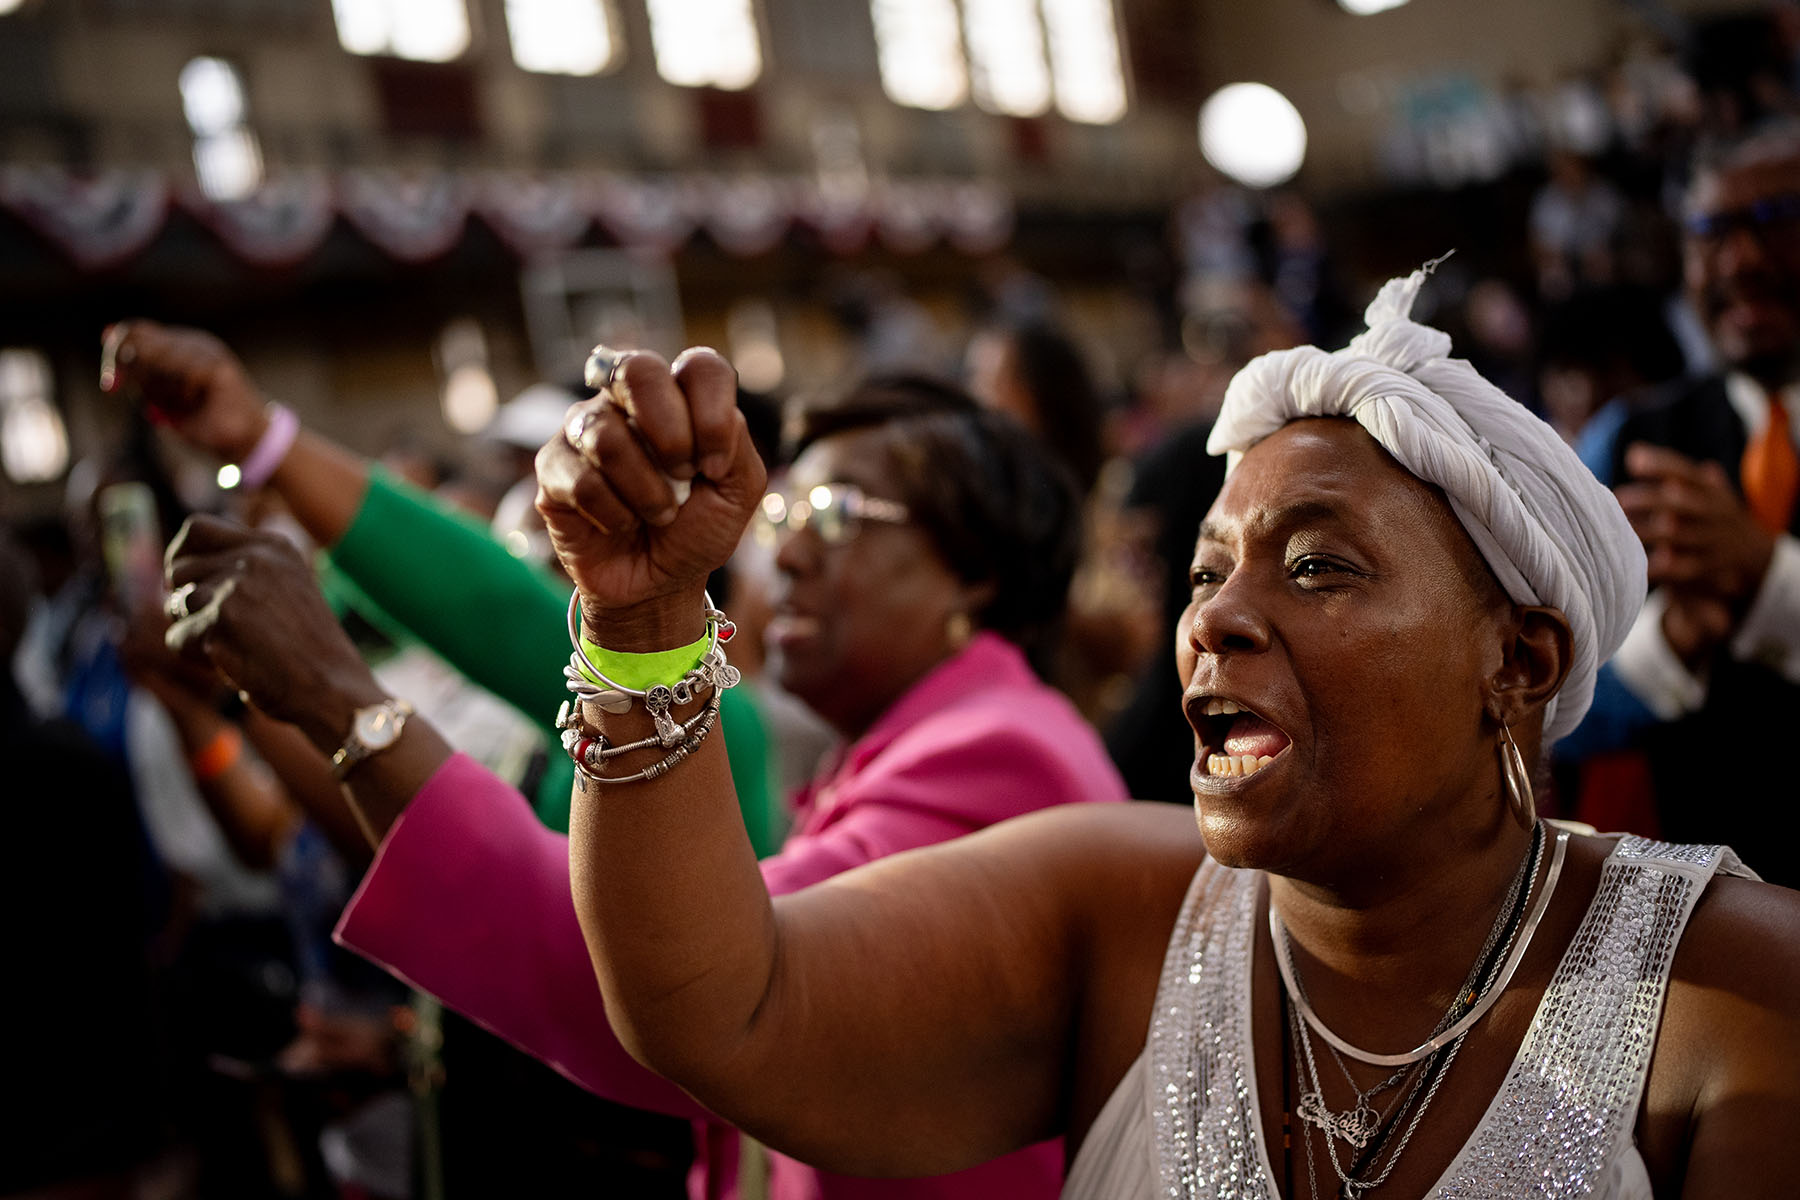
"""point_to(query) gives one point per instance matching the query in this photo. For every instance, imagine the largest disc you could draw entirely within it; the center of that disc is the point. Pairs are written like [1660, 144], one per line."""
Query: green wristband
[640, 672]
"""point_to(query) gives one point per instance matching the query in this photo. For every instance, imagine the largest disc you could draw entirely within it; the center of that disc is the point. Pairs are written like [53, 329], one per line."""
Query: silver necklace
[1312, 1175]
[1356, 1125]
[1485, 979]
[1478, 1009]
[1352, 1187]
[1359, 1124]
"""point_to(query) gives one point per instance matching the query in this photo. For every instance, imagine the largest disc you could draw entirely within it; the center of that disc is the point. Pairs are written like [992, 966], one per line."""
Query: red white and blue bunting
[278, 225]
[98, 218]
[414, 216]
[534, 214]
[104, 219]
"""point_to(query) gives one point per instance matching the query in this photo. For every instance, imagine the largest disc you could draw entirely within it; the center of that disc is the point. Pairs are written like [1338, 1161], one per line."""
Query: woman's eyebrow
[1277, 521]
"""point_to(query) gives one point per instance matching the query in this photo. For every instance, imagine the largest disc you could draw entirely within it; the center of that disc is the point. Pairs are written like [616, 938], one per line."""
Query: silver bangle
[615, 697]
[599, 750]
[696, 729]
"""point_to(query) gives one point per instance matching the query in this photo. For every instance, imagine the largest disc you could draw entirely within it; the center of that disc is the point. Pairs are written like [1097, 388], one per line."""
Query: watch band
[355, 748]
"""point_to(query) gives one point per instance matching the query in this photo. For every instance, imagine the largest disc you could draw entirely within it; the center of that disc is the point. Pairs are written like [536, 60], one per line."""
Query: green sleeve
[445, 579]
[504, 623]
[752, 771]
[747, 746]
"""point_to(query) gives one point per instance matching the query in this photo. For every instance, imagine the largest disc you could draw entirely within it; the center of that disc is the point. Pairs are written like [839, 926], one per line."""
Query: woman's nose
[1228, 620]
[794, 549]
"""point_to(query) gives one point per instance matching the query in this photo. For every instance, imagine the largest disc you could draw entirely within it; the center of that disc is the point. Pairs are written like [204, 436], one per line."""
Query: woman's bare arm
[193, 382]
[910, 1017]
[1722, 1107]
[914, 1016]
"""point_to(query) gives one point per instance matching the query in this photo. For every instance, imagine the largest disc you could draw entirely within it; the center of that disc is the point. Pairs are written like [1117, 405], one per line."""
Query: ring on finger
[602, 368]
[605, 373]
[177, 603]
[582, 431]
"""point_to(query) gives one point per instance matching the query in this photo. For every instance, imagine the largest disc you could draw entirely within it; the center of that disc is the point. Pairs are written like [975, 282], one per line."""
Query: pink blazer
[468, 898]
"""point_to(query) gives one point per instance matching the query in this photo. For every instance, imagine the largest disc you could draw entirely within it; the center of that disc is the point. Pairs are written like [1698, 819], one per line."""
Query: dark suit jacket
[1150, 740]
[1721, 773]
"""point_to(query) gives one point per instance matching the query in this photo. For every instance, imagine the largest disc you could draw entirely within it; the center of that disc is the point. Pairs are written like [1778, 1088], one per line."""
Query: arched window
[1085, 61]
[563, 37]
[426, 30]
[34, 446]
[468, 395]
[227, 160]
[919, 47]
[706, 43]
[1007, 70]
[1022, 56]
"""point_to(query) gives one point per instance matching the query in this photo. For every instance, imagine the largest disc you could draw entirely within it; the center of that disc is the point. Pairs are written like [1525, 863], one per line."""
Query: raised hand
[190, 381]
[1697, 532]
[176, 681]
[247, 603]
[1696, 626]
[607, 487]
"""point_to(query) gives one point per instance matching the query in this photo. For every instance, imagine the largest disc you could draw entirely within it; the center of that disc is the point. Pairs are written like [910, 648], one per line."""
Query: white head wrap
[1552, 534]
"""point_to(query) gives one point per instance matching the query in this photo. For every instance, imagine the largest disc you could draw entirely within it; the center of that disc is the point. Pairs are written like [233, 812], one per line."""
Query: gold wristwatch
[372, 729]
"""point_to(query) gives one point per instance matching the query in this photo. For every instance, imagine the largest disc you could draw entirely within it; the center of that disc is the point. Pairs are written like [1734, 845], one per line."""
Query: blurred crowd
[185, 1024]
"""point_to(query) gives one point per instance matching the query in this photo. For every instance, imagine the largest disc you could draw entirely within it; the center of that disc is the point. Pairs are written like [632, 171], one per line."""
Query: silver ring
[579, 430]
[602, 368]
[177, 603]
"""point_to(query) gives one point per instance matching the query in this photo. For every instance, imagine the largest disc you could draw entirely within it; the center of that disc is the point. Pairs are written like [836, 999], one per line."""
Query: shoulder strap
[1207, 1133]
[1569, 1102]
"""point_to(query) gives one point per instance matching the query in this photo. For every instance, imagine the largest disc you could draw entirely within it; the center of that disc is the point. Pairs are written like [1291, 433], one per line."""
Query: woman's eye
[1201, 577]
[1313, 567]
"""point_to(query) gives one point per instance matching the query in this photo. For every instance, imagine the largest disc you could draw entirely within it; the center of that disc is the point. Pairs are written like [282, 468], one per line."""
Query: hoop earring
[1521, 801]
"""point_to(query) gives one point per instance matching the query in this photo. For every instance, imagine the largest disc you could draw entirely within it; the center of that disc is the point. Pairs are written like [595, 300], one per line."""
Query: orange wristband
[218, 755]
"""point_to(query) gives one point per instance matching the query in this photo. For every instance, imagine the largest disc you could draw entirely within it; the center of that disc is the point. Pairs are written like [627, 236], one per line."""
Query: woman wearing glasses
[1380, 972]
[922, 547]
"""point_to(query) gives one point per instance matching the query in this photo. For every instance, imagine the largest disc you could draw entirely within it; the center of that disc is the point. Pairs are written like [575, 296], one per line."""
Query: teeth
[1221, 708]
[1236, 766]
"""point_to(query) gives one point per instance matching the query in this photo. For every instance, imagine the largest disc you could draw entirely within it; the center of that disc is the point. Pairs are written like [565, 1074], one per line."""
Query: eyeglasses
[1777, 214]
[833, 511]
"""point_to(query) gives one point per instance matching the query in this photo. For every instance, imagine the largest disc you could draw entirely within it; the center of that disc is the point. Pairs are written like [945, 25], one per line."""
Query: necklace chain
[1361, 1125]
[1463, 1024]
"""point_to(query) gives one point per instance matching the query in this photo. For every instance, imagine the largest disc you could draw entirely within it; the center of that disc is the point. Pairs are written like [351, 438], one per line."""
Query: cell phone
[131, 542]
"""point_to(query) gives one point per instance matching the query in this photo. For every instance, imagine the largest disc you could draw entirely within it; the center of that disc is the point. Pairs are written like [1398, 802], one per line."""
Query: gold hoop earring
[1521, 801]
[959, 629]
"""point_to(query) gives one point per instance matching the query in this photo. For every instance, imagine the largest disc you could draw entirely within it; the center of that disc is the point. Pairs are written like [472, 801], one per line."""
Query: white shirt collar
[1751, 402]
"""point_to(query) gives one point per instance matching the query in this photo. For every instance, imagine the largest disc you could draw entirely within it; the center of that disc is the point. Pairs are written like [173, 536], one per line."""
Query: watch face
[376, 728]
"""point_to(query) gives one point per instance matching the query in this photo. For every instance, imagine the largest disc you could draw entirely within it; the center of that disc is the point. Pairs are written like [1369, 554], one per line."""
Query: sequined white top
[1185, 1122]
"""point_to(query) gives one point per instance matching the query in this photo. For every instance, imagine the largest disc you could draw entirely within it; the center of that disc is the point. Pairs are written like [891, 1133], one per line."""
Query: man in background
[1711, 477]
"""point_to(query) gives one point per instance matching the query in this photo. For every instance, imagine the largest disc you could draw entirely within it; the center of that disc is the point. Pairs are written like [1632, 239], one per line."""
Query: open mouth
[1235, 742]
[790, 627]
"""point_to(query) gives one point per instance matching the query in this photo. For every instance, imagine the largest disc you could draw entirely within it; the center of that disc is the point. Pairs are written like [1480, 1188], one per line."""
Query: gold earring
[1521, 800]
[959, 629]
